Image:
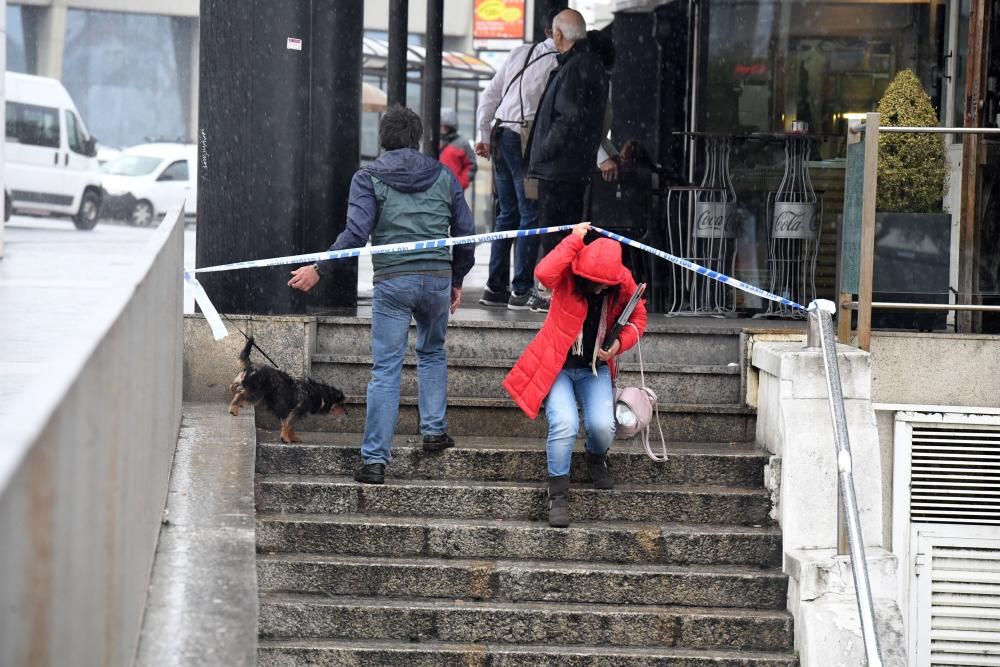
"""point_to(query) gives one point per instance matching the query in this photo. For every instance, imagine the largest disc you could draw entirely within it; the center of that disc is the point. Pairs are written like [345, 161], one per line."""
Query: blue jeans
[597, 400]
[508, 170]
[426, 299]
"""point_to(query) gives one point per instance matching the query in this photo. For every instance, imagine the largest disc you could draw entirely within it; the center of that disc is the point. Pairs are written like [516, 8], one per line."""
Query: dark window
[74, 134]
[178, 171]
[32, 125]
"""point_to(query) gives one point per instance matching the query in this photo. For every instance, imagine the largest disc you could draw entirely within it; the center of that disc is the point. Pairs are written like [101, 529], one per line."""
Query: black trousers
[559, 203]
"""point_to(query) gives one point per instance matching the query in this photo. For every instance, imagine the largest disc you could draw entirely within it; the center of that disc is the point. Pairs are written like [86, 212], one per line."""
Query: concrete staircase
[451, 562]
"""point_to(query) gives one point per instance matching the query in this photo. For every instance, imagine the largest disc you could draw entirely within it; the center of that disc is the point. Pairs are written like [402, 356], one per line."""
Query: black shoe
[520, 301]
[558, 503]
[438, 443]
[371, 473]
[494, 299]
[538, 304]
[597, 469]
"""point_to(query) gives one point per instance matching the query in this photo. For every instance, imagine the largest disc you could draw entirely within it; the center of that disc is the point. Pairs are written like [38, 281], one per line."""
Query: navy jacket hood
[405, 170]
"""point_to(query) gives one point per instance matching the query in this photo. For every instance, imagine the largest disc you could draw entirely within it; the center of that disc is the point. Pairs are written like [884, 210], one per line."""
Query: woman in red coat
[565, 363]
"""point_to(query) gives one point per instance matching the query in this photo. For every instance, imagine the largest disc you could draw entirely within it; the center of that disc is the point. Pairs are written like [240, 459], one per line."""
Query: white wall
[85, 475]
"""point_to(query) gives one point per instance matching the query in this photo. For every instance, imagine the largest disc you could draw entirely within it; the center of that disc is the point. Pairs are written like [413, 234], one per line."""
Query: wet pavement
[54, 280]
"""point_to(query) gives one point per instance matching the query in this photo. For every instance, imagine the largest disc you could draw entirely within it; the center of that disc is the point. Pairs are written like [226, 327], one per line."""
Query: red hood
[601, 261]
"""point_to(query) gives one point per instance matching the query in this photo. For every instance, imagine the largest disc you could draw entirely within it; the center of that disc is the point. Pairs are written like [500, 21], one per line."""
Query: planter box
[912, 255]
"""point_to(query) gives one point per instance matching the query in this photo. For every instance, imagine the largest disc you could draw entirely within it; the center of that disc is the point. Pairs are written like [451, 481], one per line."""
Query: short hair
[571, 24]
[399, 128]
[550, 17]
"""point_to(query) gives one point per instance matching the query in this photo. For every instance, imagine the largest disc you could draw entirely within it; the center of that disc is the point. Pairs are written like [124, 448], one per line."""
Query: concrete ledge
[821, 598]
[202, 604]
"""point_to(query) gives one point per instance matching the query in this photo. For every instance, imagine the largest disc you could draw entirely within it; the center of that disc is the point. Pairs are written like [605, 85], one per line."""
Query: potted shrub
[912, 233]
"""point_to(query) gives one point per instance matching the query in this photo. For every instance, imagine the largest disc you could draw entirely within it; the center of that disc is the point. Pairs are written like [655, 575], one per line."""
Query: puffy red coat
[529, 382]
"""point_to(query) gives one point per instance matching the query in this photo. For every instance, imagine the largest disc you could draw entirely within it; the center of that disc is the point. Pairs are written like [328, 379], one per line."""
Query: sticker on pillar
[294, 44]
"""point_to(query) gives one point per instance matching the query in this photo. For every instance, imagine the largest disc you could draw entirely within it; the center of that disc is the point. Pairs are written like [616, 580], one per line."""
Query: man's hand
[581, 229]
[304, 278]
[609, 170]
[604, 355]
[456, 298]
[483, 150]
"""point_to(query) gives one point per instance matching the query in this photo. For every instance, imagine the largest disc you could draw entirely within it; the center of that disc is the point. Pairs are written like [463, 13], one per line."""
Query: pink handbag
[635, 410]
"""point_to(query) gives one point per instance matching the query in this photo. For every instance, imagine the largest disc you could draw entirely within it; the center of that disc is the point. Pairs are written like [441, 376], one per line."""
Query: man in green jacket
[405, 196]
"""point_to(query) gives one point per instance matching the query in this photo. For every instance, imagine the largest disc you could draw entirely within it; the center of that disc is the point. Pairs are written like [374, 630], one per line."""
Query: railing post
[868, 232]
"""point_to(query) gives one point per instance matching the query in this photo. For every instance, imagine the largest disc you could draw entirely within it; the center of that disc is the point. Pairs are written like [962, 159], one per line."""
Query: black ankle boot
[371, 473]
[558, 503]
[597, 469]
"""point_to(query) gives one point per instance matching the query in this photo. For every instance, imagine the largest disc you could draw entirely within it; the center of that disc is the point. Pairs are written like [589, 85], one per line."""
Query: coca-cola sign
[795, 220]
[714, 220]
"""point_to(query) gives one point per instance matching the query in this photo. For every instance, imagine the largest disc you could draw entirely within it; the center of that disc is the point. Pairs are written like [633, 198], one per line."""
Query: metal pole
[399, 16]
[431, 98]
[848, 500]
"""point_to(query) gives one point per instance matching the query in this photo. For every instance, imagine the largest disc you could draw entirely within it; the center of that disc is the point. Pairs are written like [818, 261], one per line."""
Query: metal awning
[454, 66]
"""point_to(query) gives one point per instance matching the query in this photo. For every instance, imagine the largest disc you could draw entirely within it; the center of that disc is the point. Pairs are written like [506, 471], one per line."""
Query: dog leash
[246, 337]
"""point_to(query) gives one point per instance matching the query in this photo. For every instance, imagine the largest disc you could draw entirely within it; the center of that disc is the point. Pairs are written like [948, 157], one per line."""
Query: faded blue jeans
[597, 402]
[516, 212]
[427, 300]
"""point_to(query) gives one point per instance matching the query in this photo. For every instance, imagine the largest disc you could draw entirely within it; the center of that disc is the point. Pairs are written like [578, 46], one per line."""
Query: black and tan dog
[285, 396]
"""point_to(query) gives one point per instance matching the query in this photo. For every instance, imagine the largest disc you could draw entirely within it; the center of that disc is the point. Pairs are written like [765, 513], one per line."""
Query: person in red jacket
[455, 151]
[590, 288]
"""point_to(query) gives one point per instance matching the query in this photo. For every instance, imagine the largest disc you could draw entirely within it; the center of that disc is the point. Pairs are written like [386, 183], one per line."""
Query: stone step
[509, 500]
[330, 653]
[504, 337]
[483, 377]
[285, 616]
[519, 580]
[489, 539]
[509, 459]
[492, 416]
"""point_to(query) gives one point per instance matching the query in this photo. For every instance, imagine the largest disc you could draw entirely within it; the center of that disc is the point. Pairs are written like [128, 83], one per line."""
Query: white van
[50, 160]
[147, 180]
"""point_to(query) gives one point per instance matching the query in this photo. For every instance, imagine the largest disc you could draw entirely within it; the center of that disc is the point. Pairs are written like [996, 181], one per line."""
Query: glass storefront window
[814, 62]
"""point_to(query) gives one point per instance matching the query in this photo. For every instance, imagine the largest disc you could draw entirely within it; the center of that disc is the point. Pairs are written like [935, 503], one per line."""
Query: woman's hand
[604, 355]
[581, 229]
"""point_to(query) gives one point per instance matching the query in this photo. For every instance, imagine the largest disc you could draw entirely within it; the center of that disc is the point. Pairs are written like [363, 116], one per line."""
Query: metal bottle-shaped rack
[795, 215]
[708, 238]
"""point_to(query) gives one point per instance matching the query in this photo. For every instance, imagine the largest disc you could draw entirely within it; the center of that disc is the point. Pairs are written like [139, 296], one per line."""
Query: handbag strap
[660, 457]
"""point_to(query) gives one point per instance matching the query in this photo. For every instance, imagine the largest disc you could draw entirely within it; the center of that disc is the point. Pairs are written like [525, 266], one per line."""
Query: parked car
[147, 180]
[50, 163]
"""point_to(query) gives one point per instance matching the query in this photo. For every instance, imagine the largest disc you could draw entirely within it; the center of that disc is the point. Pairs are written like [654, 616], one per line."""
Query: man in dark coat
[568, 126]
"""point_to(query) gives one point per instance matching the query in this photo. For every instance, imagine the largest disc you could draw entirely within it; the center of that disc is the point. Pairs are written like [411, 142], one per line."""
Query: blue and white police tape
[701, 270]
[219, 329]
[207, 307]
[382, 249]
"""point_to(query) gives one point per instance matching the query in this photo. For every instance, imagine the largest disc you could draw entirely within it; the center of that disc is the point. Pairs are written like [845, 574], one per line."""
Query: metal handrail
[930, 130]
[900, 305]
[821, 327]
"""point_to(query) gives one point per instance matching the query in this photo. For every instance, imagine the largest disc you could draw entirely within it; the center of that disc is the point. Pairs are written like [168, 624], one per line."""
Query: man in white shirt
[506, 110]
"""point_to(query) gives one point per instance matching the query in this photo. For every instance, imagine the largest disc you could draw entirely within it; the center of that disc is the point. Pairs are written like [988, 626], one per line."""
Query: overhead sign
[498, 19]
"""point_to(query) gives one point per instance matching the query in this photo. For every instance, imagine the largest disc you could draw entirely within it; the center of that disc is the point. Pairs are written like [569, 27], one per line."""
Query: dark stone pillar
[399, 16]
[542, 9]
[431, 98]
[269, 182]
[333, 146]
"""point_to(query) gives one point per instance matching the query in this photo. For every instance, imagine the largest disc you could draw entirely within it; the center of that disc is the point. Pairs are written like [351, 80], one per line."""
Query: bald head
[568, 27]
